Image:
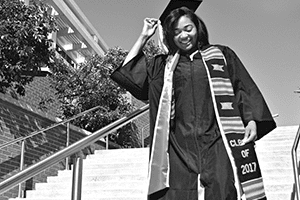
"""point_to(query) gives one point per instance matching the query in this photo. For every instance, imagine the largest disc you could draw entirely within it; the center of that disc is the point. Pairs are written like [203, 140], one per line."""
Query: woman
[203, 150]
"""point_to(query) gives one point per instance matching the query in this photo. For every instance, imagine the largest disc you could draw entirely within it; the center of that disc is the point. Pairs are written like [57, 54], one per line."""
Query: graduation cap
[174, 4]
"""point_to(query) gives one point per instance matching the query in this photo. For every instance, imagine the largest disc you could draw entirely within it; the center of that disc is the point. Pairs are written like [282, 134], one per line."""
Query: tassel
[161, 43]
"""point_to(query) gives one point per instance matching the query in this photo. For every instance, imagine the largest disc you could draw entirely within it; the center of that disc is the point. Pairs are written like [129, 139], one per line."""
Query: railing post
[295, 163]
[106, 142]
[21, 166]
[77, 178]
[67, 144]
[143, 138]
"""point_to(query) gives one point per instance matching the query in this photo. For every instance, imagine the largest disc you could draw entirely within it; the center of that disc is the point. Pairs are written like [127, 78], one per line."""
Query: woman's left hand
[250, 133]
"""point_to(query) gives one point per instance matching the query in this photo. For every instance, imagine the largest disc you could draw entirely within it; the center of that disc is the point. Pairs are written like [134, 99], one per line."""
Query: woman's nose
[183, 35]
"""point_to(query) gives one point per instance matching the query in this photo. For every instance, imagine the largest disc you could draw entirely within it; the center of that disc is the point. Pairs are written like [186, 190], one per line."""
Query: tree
[24, 43]
[90, 85]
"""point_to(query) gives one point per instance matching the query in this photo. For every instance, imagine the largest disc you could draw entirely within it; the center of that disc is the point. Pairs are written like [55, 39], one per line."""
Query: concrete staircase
[107, 175]
[275, 159]
[122, 174]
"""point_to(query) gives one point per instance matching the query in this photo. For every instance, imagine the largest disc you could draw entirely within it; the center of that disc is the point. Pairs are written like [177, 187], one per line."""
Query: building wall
[41, 96]
[39, 91]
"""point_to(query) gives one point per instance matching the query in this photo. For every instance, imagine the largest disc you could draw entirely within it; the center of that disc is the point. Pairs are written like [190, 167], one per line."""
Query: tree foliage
[151, 49]
[24, 43]
[90, 85]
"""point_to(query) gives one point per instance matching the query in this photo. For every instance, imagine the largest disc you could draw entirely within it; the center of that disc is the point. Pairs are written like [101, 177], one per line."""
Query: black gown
[196, 146]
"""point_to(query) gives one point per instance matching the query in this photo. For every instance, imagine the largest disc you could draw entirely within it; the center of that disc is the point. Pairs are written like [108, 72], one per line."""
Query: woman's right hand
[150, 25]
[149, 28]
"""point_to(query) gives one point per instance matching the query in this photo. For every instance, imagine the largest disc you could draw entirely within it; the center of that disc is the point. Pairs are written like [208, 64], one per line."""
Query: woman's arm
[149, 28]
[133, 73]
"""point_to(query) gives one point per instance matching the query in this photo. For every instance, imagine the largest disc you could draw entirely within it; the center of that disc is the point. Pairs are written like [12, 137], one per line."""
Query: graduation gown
[195, 128]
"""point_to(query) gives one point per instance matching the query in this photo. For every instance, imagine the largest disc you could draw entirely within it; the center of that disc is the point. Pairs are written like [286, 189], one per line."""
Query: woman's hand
[149, 28]
[250, 132]
[150, 25]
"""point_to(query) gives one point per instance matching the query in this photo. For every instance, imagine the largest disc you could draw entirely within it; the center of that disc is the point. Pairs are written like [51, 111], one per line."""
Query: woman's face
[185, 34]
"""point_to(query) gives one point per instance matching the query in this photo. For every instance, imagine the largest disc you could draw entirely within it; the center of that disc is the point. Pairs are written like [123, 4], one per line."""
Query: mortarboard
[173, 4]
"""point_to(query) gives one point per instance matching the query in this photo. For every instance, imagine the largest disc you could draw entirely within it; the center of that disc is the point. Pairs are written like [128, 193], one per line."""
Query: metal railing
[23, 139]
[68, 151]
[295, 163]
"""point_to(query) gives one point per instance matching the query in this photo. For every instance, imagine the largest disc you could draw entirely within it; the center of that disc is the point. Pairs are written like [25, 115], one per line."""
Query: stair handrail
[50, 127]
[68, 151]
[295, 163]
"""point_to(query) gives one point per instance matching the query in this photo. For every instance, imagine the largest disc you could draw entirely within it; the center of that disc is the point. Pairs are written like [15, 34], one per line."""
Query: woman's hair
[170, 23]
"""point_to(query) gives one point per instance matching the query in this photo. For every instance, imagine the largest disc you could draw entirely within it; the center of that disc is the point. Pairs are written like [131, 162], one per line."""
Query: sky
[265, 34]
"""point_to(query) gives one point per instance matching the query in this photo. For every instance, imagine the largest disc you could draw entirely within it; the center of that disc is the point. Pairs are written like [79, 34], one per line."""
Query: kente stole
[243, 159]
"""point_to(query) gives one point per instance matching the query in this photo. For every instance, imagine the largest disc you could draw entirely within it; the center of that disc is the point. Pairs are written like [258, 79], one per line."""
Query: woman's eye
[189, 28]
[177, 32]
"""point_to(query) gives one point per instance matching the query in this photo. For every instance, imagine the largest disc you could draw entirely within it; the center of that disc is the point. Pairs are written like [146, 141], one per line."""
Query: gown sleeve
[136, 75]
[251, 103]
[133, 77]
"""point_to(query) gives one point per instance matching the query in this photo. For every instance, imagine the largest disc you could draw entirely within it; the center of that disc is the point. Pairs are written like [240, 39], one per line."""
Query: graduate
[205, 111]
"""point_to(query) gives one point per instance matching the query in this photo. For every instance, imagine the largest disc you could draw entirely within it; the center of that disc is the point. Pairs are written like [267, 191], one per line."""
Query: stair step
[268, 154]
[124, 177]
[118, 171]
[263, 157]
[283, 149]
[281, 137]
[121, 152]
[285, 187]
[277, 171]
[276, 147]
[113, 171]
[116, 165]
[94, 198]
[100, 160]
[141, 197]
[102, 185]
[275, 163]
[279, 196]
[91, 192]
[287, 178]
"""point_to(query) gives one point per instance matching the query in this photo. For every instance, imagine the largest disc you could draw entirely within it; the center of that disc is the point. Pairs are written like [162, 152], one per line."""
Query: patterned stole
[243, 158]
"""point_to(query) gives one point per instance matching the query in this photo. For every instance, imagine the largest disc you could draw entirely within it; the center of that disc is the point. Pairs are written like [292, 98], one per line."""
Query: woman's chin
[188, 50]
